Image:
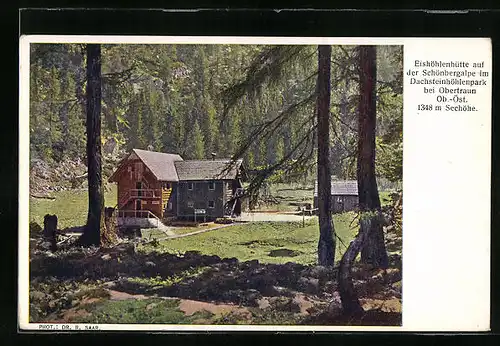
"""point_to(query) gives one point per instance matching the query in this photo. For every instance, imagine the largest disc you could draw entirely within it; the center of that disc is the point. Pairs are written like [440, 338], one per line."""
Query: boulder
[308, 285]
[286, 275]
[221, 266]
[330, 286]
[252, 297]
[235, 296]
[249, 297]
[264, 283]
[37, 295]
[320, 272]
[286, 304]
[274, 291]
[393, 275]
[211, 260]
[230, 261]
[249, 264]
[334, 309]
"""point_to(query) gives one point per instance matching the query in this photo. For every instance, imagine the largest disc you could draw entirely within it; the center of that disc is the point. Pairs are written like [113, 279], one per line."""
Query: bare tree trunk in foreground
[373, 250]
[95, 218]
[326, 244]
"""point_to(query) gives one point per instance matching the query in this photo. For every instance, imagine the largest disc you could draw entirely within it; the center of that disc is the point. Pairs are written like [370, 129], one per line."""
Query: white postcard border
[415, 315]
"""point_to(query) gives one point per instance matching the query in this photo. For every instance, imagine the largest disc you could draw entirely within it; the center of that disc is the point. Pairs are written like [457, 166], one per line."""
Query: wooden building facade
[344, 196]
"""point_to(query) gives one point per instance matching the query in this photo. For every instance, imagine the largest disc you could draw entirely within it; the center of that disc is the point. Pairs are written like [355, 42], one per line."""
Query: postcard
[254, 183]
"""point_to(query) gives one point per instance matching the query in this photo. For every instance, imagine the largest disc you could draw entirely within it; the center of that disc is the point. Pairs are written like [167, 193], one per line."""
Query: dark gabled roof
[171, 167]
[161, 165]
[344, 187]
[220, 169]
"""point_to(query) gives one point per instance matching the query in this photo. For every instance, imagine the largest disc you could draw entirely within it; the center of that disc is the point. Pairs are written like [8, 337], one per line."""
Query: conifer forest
[309, 124]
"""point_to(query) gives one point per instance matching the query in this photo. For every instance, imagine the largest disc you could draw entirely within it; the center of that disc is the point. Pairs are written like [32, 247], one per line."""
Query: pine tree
[326, 244]
[198, 142]
[374, 251]
[95, 227]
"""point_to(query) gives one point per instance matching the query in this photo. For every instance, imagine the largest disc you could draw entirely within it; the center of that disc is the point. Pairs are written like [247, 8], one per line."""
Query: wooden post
[49, 230]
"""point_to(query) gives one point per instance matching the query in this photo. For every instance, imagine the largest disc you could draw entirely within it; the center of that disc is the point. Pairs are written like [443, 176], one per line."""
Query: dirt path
[193, 233]
[245, 217]
[201, 231]
[118, 295]
[190, 307]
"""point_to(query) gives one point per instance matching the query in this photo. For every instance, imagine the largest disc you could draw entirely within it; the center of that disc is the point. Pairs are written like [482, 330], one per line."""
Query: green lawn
[150, 233]
[285, 194]
[71, 207]
[289, 193]
[269, 242]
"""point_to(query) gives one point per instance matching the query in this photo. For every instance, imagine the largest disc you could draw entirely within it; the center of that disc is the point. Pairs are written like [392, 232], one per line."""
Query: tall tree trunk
[326, 244]
[373, 251]
[344, 115]
[79, 75]
[95, 218]
[349, 298]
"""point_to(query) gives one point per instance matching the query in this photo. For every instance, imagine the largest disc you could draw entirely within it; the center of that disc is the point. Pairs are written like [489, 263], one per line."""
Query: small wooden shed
[344, 196]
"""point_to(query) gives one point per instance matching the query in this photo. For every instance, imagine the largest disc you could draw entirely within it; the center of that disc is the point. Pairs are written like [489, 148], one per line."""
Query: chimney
[213, 156]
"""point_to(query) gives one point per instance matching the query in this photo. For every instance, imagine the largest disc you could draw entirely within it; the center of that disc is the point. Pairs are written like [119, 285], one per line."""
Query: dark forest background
[196, 100]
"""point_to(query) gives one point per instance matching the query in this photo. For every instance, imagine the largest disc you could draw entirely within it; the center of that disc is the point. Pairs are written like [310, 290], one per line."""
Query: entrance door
[138, 204]
[138, 186]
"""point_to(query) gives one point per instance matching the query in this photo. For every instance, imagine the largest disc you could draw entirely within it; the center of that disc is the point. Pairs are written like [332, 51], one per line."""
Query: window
[211, 185]
[190, 186]
[190, 204]
[138, 170]
[211, 204]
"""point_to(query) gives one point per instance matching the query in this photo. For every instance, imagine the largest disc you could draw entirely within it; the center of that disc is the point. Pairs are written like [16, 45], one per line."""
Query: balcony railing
[137, 214]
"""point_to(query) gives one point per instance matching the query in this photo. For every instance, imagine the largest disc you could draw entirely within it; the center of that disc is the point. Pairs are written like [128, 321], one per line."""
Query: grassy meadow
[71, 207]
[269, 242]
[155, 288]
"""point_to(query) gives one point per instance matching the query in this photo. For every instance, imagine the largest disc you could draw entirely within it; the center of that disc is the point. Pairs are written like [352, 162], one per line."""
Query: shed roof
[160, 164]
[208, 169]
[344, 187]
